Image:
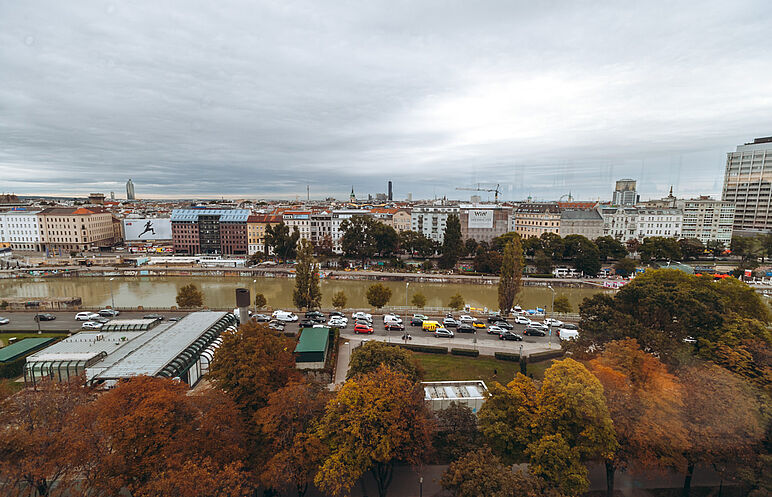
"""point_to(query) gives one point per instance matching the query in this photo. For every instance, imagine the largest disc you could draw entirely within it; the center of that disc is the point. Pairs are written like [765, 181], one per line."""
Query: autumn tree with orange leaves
[645, 403]
[287, 424]
[375, 420]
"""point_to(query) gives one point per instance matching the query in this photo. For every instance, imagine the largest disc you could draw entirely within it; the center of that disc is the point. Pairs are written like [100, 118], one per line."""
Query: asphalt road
[25, 321]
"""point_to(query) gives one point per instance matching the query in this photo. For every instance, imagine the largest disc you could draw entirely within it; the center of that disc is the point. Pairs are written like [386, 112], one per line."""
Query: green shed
[312, 347]
[23, 348]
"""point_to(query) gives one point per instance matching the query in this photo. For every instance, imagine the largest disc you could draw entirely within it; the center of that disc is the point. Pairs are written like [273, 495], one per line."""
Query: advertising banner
[480, 218]
[147, 229]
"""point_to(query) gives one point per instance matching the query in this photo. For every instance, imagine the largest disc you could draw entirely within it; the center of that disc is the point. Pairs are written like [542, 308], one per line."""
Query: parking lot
[65, 320]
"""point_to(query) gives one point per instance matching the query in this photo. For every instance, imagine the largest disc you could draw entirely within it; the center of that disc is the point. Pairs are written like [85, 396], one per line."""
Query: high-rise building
[748, 184]
[625, 193]
[391, 196]
[130, 190]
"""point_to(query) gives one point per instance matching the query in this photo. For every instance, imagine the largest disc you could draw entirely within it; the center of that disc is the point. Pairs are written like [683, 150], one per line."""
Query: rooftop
[474, 389]
[22, 348]
[313, 340]
[85, 343]
[226, 215]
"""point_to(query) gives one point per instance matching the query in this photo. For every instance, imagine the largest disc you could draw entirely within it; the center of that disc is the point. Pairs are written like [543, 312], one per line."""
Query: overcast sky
[259, 99]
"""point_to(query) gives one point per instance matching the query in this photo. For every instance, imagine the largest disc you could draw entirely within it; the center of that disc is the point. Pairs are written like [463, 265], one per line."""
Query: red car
[391, 325]
[363, 328]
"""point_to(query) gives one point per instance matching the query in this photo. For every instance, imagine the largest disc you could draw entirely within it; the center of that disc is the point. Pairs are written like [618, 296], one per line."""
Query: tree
[37, 430]
[288, 423]
[456, 302]
[372, 355]
[715, 247]
[543, 262]
[625, 267]
[610, 248]
[418, 300]
[255, 259]
[552, 245]
[252, 363]
[373, 421]
[456, 432]
[358, 238]
[189, 296]
[470, 246]
[307, 293]
[452, 245]
[587, 259]
[149, 437]
[385, 237]
[555, 461]
[325, 247]
[531, 245]
[510, 278]
[339, 300]
[659, 248]
[562, 305]
[691, 248]
[487, 261]
[260, 301]
[283, 242]
[645, 403]
[633, 245]
[378, 295]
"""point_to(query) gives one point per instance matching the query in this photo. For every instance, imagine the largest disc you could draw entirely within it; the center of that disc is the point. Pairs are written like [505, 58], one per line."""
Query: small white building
[431, 220]
[659, 222]
[470, 393]
[20, 230]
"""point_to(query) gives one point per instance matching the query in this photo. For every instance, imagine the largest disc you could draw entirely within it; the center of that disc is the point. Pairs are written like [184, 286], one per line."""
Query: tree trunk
[610, 471]
[383, 473]
[302, 489]
[688, 480]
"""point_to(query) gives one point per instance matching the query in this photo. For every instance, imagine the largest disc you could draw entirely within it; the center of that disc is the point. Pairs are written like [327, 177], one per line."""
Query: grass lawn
[441, 367]
[5, 336]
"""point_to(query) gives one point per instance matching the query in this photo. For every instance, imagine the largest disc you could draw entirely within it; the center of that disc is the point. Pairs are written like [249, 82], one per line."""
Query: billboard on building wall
[480, 219]
[147, 229]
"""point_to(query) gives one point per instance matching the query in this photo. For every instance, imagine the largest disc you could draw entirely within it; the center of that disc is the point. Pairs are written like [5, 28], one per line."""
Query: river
[219, 292]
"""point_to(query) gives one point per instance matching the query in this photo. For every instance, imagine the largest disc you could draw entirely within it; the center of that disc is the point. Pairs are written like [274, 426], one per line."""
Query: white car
[91, 325]
[568, 331]
[362, 315]
[285, 316]
[553, 322]
[337, 322]
[466, 319]
[86, 316]
[4, 320]
[236, 312]
[522, 320]
[392, 318]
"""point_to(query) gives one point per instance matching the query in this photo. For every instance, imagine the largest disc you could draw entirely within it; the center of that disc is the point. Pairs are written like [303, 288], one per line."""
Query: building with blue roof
[210, 231]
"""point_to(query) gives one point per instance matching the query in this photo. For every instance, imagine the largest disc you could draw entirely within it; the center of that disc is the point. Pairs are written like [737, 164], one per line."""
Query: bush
[543, 356]
[418, 300]
[456, 302]
[339, 300]
[562, 304]
[13, 369]
[541, 275]
[466, 352]
[378, 295]
[430, 349]
[507, 356]
[260, 301]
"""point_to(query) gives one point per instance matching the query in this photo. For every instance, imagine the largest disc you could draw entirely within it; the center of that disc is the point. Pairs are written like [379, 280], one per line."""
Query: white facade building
[707, 219]
[619, 222]
[300, 220]
[431, 220]
[659, 222]
[20, 230]
[337, 217]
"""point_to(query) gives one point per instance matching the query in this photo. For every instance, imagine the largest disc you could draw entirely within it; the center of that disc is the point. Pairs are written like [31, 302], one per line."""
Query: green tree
[584, 253]
[715, 247]
[543, 262]
[487, 261]
[372, 355]
[633, 245]
[625, 267]
[552, 245]
[470, 246]
[452, 245]
[510, 278]
[358, 240]
[189, 297]
[456, 302]
[456, 432]
[307, 293]
[418, 300]
[385, 237]
[555, 461]
[378, 295]
[610, 248]
[283, 243]
[260, 301]
[531, 245]
[373, 421]
[659, 248]
[691, 248]
[339, 300]
[562, 305]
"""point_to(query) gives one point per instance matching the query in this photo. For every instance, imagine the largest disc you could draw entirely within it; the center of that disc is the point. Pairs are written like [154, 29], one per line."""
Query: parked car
[85, 316]
[568, 331]
[362, 321]
[100, 319]
[478, 324]
[174, 319]
[416, 322]
[108, 313]
[541, 326]
[4, 320]
[306, 323]
[262, 318]
[392, 317]
[449, 323]
[534, 332]
[337, 313]
[157, 317]
[362, 315]
[393, 325]
[495, 330]
[91, 325]
[276, 325]
[363, 328]
[553, 322]
[287, 317]
[504, 324]
[466, 318]
[237, 313]
[317, 316]
[422, 317]
[443, 333]
[522, 320]
[466, 328]
[337, 322]
[510, 335]
[493, 317]
[44, 317]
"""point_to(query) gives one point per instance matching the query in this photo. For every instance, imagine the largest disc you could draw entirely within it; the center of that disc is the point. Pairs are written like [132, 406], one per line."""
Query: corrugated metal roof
[22, 348]
[226, 215]
[313, 340]
[86, 342]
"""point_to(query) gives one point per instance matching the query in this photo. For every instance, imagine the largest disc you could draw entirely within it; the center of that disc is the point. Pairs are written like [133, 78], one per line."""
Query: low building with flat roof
[23, 348]
[440, 394]
[311, 350]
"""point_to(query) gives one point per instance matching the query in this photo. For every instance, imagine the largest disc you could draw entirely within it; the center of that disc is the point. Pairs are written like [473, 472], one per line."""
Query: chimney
[242, 302]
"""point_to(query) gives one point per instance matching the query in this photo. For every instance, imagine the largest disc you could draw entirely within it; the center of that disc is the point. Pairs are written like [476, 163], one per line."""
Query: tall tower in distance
[625, 193]
[391, 197]
[130, 190]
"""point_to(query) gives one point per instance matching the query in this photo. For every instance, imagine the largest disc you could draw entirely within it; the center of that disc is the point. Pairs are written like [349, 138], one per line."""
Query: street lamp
[254, 282]
[552, 311]
[112, 297]
[421, 486]
[407, 284]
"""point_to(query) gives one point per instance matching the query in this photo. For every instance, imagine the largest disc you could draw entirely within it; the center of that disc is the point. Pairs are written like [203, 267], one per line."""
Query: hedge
[431, 349]
[13, 369]
[507, 356]
[467, 352]
[543, 356]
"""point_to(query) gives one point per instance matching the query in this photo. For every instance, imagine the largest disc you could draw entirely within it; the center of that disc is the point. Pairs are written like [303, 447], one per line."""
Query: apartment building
[401, 220]
[659, 222]
[336, 219]
[256, 232]
[431, 220]
[748, 185]
[20, 230]
[587, 223]
[321, 227]
[535, 219]
[484, 222]
[76, 228]
[619, 222]
[300, 220]
[210, 231]
[707, 219]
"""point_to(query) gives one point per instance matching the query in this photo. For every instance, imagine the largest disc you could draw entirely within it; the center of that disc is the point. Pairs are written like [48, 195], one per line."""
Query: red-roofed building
[66, 229]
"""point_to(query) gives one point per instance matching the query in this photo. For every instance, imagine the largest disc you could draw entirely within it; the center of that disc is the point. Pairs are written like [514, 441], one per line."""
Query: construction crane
[496, 190]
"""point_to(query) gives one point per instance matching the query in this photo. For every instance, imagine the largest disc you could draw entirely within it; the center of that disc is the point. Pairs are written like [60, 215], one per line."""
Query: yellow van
[430, 326]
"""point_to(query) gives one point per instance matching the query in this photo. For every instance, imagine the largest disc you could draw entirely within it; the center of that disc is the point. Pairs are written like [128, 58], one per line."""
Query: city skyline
[258, 101]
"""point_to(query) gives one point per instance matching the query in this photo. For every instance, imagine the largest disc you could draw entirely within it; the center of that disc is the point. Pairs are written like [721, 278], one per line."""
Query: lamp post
[112, 297]
[254, 282]
[552, 311]
[407, 284]
[421, 486]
